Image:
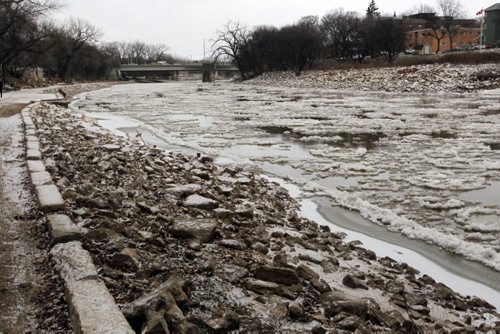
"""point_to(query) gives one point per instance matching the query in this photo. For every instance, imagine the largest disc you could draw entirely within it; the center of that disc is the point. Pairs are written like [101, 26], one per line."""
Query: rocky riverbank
[421, 78]
[189, 245]
[69, 91]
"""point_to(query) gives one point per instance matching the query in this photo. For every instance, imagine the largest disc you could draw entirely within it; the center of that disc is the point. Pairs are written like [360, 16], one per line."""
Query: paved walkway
[18, 240]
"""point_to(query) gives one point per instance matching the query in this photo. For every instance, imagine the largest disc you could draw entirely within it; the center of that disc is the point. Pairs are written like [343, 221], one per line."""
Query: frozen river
[419, 166]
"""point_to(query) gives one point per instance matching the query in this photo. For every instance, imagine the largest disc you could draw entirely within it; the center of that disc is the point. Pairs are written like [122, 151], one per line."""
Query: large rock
[200, 202]
[128, 258]
[49, 197]
[166, 295]
[262, 287]
[35, 166]
[73, 262]
[93, 309]
[306, 272]
[41, 178]
[354, 282]
[233, 244]
[62, 229]
[184, 190]
[231, 273]
[359, 307]
[286, 276]
[194, 229]
[33, 154]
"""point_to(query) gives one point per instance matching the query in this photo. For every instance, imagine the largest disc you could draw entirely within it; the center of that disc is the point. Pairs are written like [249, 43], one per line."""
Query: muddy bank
[183, 243]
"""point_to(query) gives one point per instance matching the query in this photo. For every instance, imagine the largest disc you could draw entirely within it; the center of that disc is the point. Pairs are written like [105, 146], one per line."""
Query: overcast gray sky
[184, 24]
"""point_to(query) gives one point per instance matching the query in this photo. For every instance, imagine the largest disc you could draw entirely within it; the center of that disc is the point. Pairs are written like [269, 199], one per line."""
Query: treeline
[72, 50]
[340, 35]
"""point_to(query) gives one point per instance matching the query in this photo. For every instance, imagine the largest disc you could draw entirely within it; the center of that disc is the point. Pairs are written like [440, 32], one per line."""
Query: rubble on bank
[421, 78]
[69, 91]
[185, 245]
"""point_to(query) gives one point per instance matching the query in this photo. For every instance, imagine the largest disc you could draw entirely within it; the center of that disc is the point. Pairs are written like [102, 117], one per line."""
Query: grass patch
[11, 109]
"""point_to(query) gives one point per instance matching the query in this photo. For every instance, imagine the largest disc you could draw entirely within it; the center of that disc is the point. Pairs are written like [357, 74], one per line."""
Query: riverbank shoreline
[96, 158]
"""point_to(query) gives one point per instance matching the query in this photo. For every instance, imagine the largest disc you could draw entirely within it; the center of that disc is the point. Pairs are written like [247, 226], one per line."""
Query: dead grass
[11, 109]
[458, 58]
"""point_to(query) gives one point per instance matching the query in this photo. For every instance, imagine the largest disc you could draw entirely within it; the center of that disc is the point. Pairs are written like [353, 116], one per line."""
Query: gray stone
[278, 275]
[128, 257]
[194, 229]
[353, 323]
[353, 282]
[31, 138]
[357, 307]
[62, 229]
[33, 145]
[35, 166]
[231, 273]
[233, 244]
[184, 190]
[41, 178]
[73, 262]
[261, 287]
[33, 155]
[321, 285]
[30, 132]
[306, 272]
[93, 309]
[227, 322]
[111, 147]
[200, 202]
[167, 294]
[49, 197]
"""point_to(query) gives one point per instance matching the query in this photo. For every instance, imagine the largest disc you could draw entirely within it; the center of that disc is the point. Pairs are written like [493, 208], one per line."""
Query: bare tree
[156, 52]
[423, 8]
[451, 10]
[233, 43]
[436, 30]
[138, 52]
[341, 31]
[77, 33]
[21, 30]
[388, 36]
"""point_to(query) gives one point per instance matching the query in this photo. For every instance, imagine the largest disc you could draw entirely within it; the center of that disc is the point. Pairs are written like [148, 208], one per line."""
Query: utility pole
[204, 57]
[481, 12]
[482, 28]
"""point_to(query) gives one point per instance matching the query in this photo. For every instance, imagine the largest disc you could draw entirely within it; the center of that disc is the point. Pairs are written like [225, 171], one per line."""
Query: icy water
[423, 165]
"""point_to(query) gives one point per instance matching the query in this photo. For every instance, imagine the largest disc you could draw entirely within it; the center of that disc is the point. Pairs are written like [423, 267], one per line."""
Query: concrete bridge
[209, 71]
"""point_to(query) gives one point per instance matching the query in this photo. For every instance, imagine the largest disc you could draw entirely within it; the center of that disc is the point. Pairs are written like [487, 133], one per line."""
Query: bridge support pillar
[208, 76]
[175, 75]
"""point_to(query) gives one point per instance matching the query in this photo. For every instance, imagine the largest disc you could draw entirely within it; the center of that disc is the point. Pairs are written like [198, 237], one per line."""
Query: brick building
[421, 37]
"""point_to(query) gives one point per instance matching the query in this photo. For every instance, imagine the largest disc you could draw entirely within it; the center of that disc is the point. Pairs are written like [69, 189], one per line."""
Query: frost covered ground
[425, 165]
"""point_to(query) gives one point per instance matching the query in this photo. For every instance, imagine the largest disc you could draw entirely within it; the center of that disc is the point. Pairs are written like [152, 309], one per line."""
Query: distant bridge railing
[171, 71]
[179, 67]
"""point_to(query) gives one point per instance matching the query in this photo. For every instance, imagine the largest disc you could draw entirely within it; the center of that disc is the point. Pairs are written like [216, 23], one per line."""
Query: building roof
[494, 7]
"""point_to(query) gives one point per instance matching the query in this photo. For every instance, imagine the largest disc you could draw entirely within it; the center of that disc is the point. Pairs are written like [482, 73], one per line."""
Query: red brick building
[422, 38]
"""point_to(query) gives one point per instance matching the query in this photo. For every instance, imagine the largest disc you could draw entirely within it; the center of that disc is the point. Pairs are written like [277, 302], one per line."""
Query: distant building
[492, 25]
[420, 37]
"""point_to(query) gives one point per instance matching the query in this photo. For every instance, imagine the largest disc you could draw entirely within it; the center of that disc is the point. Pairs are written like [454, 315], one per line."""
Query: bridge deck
[175, 67]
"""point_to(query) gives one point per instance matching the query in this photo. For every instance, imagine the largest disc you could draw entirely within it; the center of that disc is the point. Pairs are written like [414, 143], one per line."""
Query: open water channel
[413, 176]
